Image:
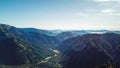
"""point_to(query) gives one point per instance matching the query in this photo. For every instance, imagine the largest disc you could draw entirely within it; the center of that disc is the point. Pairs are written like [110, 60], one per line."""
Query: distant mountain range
[31, 47]
[41, 31]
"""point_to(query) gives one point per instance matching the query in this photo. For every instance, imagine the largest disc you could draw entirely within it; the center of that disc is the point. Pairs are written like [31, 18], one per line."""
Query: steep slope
[91, 51]
[42, 39]
[32, 36]
[16, 51]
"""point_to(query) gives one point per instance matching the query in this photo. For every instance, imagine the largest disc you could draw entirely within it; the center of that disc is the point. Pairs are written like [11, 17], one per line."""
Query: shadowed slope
[15, 50]
[91, 50]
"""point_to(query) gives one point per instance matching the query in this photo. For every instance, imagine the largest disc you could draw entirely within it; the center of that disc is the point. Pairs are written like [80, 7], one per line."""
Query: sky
[61, 14]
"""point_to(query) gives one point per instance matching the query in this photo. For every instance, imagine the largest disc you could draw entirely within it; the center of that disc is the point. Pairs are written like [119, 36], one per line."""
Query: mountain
[91, 51]
[117, 32]
[41, 31]
[36, 48]
[56, 31]
[80, 32]
[39, 38]
[66, 35]
[32, 36]
[16, 51]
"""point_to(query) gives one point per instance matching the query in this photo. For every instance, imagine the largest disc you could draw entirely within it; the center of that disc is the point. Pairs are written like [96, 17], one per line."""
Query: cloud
[109, 6]
[116, 14]
[102, 0]
[107, 11]
[107, 0]
[112, 14]
[99, 12]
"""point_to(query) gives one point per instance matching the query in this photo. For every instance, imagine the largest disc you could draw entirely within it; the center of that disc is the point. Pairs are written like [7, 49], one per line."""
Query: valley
[38, 48]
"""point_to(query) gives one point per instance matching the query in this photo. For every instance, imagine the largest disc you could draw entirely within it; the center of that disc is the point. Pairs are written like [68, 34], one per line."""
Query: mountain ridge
[91, 50]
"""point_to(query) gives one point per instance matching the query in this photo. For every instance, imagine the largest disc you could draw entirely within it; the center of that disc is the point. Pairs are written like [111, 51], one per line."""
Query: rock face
[91, 51]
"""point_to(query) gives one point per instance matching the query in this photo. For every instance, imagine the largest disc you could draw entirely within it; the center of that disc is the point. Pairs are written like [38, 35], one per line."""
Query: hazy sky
[61, 14]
